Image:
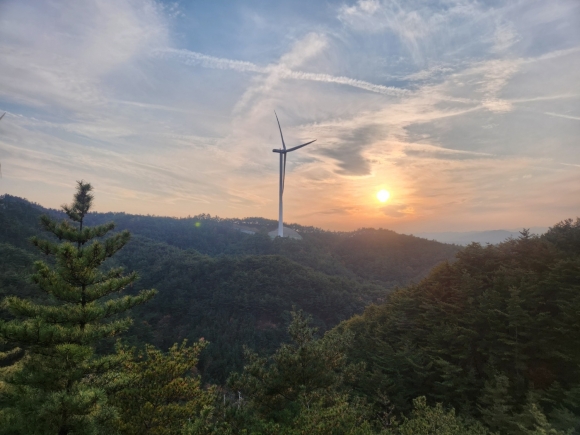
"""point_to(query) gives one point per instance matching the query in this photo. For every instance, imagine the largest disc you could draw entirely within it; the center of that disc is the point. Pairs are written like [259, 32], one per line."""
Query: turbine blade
[3, 115]
[284, 174]
[280, 128]
[300, 146]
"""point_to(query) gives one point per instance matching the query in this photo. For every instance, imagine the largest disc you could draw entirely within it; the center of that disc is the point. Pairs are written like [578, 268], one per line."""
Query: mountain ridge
[464, 238]
[231, 288]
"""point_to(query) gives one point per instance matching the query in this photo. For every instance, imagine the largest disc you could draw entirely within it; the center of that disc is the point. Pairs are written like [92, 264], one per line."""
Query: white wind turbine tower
[283, 153]
[0, 163]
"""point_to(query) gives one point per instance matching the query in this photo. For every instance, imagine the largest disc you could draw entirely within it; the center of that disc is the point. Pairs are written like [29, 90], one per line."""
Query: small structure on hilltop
[287, 232]
[244, 229]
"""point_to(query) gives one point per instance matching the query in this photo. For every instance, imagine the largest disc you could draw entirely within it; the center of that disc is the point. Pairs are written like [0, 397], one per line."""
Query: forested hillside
[231, 288]
[496, 334]
[488, 344]
[366, 254]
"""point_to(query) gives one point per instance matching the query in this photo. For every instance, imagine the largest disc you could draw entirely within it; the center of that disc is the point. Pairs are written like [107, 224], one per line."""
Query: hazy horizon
[422, 234]
[467, 112]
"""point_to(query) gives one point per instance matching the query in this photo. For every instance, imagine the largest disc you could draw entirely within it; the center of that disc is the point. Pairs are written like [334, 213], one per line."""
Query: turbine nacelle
[293, 149]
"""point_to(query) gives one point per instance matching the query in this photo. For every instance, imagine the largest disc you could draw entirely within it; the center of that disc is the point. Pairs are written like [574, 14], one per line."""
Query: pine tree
[304, 387]
[162, 391]
[435, 421]
[54, 391]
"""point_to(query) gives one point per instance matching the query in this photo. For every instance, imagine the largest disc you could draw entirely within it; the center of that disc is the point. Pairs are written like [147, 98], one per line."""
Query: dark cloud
[349, 148]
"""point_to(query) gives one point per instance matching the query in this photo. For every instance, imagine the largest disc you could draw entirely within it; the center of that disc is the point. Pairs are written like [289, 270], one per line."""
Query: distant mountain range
[465, 238]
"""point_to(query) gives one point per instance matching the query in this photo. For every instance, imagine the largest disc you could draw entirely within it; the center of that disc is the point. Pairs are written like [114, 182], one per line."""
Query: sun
[383, 195]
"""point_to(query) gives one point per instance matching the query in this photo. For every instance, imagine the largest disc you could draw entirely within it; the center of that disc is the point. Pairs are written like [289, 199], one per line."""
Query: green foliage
[302, 387]
[566, 236]
[52, 391]
[234, 301]
[241, 292]
[482, 334]
[18, 221]
[385, 256]
[368, 254]
[427, 420]
[494, 335]
[16, 266]
[161, 392]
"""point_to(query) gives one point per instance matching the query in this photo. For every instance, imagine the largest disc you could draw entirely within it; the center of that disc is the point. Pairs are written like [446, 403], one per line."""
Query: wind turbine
[0, 163]
[283, 151]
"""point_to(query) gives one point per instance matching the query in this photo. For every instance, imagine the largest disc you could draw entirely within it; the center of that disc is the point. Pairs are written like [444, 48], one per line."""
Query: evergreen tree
[303, 387]
[427, 420]
[162, 391]
[482, 334]
[54, 390]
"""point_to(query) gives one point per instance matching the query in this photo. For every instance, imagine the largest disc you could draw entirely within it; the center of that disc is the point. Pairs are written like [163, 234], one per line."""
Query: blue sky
[468, 112]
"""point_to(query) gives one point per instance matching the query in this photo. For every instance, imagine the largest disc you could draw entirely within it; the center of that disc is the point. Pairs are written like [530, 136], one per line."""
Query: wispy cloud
[68, 48]
[449, 105]
[397, 210]
[418, 26]
[280, 70]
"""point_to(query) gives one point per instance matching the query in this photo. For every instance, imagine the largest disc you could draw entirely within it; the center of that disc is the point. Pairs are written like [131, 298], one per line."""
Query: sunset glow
[383, 195]
[402, 176]
[465, 111]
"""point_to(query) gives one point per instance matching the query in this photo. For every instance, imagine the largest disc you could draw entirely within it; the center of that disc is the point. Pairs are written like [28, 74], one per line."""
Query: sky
[467, 112]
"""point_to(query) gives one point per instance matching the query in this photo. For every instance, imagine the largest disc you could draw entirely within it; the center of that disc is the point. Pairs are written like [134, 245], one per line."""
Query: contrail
[559, 115]
[193, 58]
[326, 78]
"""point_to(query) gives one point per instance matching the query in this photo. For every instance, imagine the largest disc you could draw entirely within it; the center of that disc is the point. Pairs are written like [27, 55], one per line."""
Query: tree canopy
[52, 392]
[484, 343]
[494, 334]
